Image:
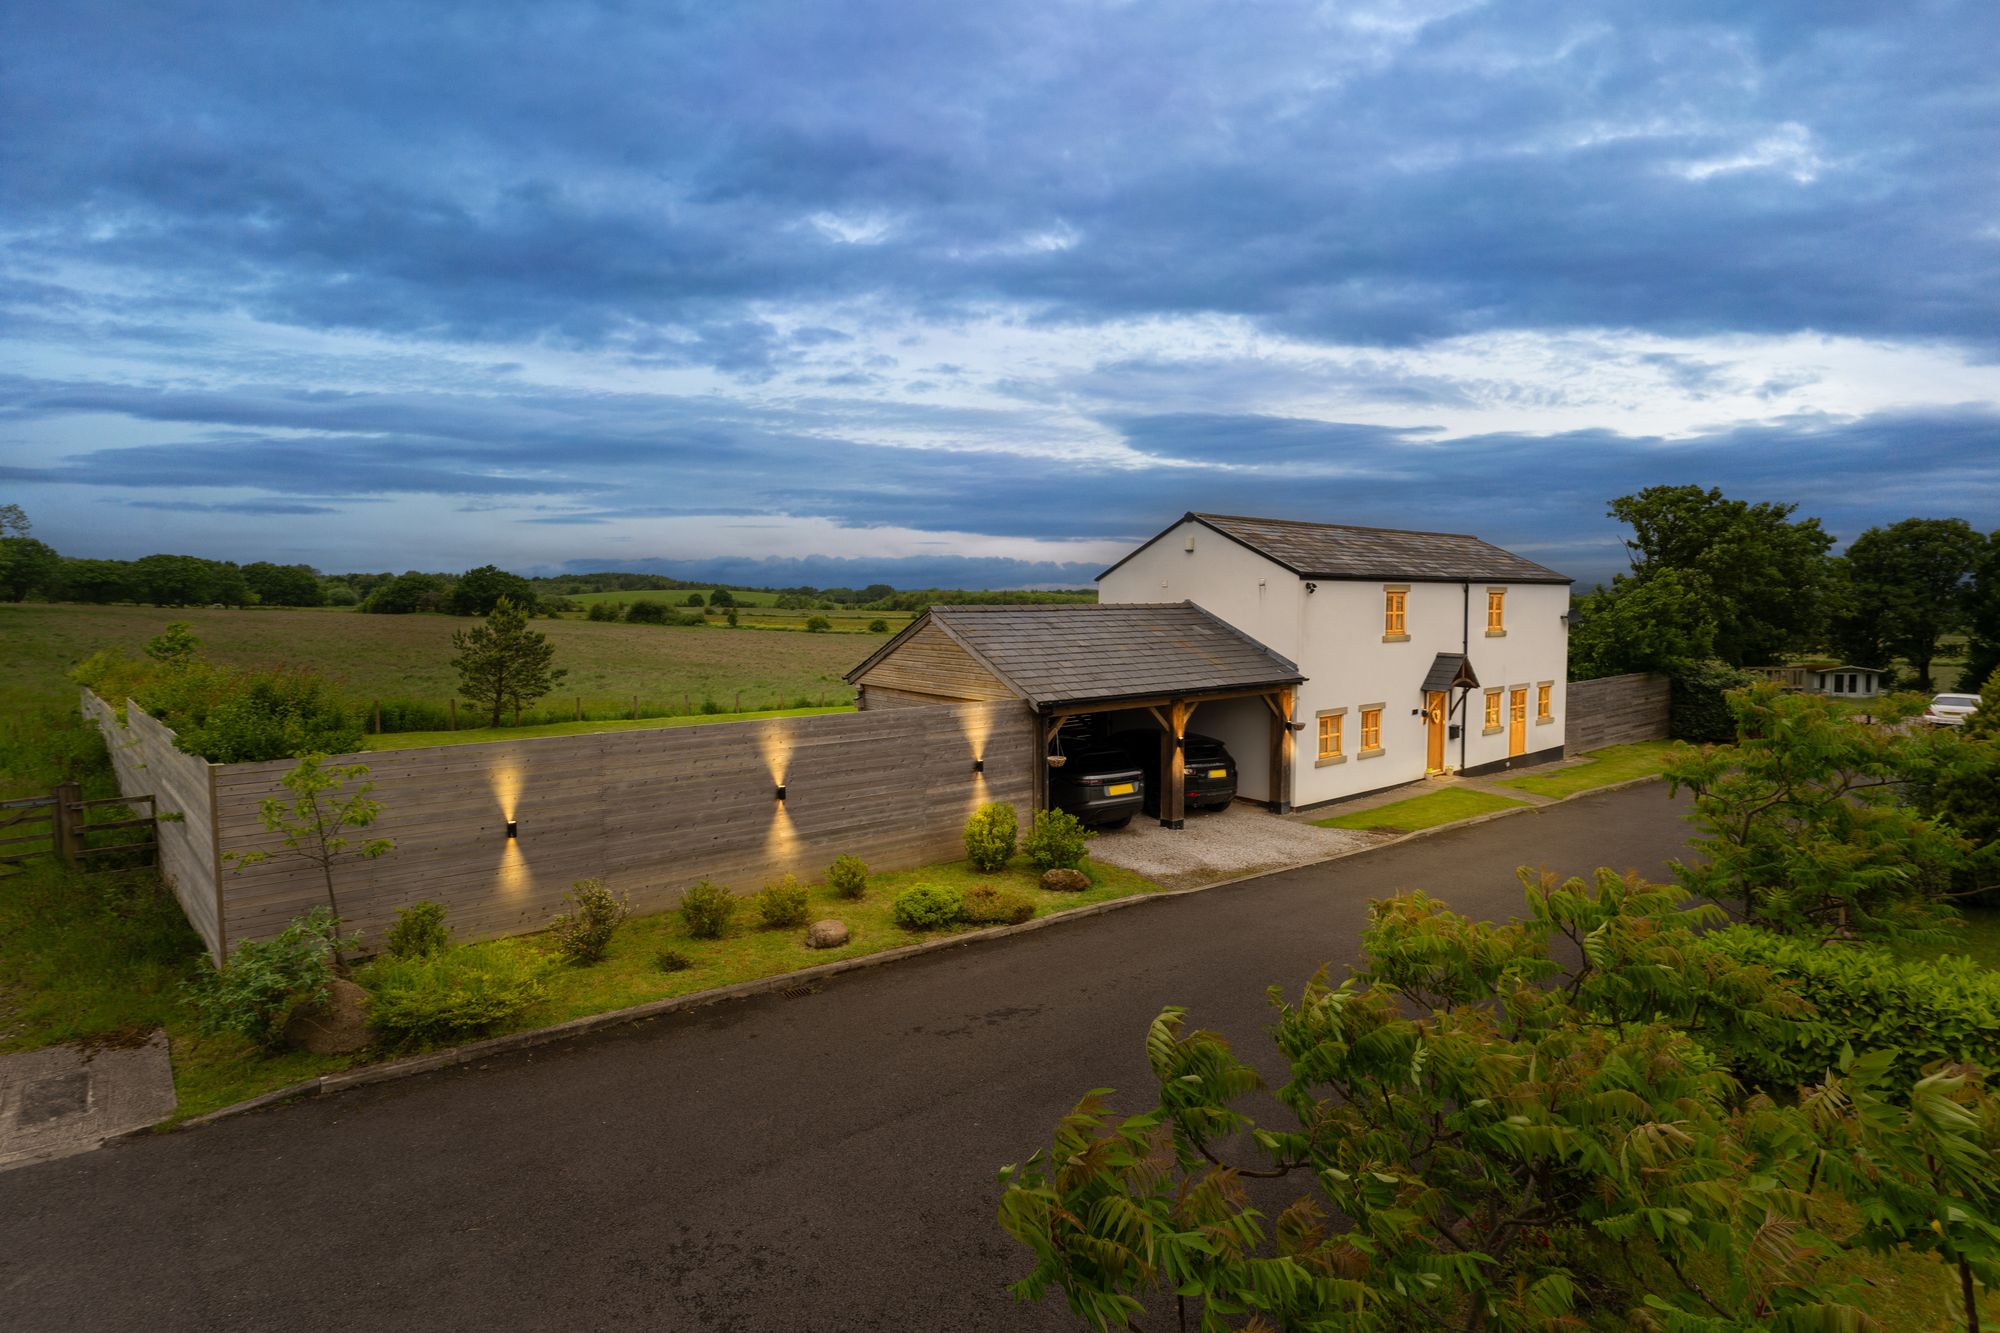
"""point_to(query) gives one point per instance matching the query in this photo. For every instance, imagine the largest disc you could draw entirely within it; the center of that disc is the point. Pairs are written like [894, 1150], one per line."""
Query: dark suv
[1099, 784]
[1211, 772]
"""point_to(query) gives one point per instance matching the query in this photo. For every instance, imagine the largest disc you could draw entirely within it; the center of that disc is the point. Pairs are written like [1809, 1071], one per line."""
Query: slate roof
[1449, 671]
[1105, 653]
[1343, 551]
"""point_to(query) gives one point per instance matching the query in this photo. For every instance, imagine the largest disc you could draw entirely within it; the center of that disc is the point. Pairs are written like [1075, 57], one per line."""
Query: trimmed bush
[989, 836]
[927, 907]
[419, 931]
[878, 627]
[782, 904]
[987, 905]
[847, 877]
[256, 992]
[582, 934]
[1698, 703]
[605, 611]
[454, 994]
[1058, 841]
[706, 910]
[1867, 999]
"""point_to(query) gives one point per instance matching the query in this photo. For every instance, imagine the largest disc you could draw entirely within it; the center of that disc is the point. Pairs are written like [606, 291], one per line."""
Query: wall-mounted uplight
[781, 793]
[979, 765]
[513, 829]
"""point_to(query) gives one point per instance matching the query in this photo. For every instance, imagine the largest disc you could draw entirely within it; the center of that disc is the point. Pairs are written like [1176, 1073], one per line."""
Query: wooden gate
[65, 825]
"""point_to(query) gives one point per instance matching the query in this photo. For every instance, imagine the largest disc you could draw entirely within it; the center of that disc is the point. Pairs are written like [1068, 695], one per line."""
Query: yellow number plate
[1218, 772]
[1120, 789]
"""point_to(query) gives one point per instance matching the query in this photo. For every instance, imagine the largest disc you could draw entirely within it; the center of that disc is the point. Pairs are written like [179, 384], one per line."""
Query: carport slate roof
[1344, 551]
[1106, 652]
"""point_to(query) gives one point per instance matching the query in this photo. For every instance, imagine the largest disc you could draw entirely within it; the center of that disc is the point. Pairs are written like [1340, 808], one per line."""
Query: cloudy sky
[939, 293]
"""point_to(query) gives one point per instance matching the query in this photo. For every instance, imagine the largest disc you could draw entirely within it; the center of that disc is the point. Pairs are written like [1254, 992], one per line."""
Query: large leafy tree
[1664, 621]
[1506, 1128]
[28, 566]
[98, 581]
[1766, 572]
[1906, 587]
[1982, 616]
[408, 592]
[503, 665]
[187, 580]
[284, 585]
[479, 590]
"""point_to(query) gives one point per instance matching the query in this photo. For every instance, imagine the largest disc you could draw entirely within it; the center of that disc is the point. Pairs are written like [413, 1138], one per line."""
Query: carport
[1154, 665]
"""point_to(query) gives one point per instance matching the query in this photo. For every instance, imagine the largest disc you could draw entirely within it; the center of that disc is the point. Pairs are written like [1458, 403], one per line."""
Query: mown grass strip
[1614, 763]
[1421, 812]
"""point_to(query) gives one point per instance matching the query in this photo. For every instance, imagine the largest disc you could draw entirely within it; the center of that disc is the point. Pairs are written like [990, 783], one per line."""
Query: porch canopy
[1162, 659]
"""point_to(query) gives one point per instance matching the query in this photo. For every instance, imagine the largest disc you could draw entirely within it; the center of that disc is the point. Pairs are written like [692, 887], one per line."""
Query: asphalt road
[825, 1162]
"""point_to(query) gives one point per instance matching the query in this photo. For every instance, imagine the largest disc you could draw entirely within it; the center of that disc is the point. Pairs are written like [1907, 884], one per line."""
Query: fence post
[68, 823]
[453, 702]
[378, 717]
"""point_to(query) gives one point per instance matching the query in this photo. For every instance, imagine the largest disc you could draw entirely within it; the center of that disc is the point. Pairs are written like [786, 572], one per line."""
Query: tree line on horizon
[1716, 580]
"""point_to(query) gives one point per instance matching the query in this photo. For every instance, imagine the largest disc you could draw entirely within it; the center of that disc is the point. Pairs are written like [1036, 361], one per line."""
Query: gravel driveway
[1222, 844]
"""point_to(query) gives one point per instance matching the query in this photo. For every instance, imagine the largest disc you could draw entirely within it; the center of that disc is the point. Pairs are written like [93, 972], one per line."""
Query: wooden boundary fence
[650, 812]
[1616, 710]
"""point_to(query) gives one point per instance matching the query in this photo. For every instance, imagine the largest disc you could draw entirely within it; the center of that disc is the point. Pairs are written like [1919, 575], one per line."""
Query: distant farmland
[408, 657]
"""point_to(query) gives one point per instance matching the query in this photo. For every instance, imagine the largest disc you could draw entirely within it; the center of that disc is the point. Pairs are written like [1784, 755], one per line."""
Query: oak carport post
[1172, 715]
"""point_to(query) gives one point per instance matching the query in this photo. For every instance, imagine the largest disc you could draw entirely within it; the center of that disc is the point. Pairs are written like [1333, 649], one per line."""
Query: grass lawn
[668, 668]
[211, 1072]
[1446, 806]
[413, 740]
[1614, 763]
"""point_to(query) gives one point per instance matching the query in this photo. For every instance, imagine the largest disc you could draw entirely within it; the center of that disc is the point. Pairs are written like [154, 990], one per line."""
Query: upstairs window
[1395, 601]
[1496, 611]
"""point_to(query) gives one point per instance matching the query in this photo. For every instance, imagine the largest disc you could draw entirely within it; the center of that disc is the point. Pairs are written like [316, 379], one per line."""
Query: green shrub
[582, 934]
[818, 625]
[927, 907]
[399, 715]
[847, 877]
[672, 960]
[1058, 841]
[989, 836]
[1867, 999]
[648, 613]
[455, 994]
[256, 992]
[782, 904]
[419, 931]
[1698, 703]
[987, 905]
[605, 611]
[706, 910]
[878, 627]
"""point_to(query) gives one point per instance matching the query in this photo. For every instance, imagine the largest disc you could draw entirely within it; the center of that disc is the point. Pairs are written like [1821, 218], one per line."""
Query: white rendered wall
[1335, 634]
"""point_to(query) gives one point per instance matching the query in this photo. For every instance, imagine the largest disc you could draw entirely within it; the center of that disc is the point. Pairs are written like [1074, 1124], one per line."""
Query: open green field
[671, 596]
[409, 657]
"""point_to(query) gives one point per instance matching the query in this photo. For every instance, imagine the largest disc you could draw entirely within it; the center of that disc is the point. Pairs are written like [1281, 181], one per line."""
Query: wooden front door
[1517, 722]
[1434, 708]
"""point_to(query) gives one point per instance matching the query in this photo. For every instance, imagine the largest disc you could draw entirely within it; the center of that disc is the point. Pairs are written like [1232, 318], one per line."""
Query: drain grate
[800, 991]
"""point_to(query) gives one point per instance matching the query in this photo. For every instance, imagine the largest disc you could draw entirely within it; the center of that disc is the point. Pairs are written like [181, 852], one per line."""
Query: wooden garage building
[1158, 661]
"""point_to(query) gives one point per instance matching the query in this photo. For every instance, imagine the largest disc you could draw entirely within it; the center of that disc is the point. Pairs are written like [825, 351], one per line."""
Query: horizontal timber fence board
[1616, 710]
[146, 760]
[649, 812]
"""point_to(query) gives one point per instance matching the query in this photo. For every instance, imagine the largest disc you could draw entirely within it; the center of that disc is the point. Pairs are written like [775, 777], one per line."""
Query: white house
[1422, 652]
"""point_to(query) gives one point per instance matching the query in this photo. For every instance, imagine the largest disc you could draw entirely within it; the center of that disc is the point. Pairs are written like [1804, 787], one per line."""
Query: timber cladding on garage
[650, 812]
[1615, 710]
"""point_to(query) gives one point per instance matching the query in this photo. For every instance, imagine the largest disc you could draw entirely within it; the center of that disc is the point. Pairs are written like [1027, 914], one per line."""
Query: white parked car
[1950, 710]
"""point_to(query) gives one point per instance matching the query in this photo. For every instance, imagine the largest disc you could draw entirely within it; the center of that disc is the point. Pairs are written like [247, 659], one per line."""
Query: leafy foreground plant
[454, 994]
[264, 982]
[583, 933]
[1493, 1141]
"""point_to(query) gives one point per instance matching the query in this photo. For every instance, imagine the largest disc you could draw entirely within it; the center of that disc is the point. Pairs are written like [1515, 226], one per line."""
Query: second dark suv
[1211, 771]
[1100, 785]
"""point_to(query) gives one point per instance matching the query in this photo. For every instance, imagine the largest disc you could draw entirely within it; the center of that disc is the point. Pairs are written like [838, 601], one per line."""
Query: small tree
[721, 597]
[314, 824]
[174, 645]
[503, 664]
